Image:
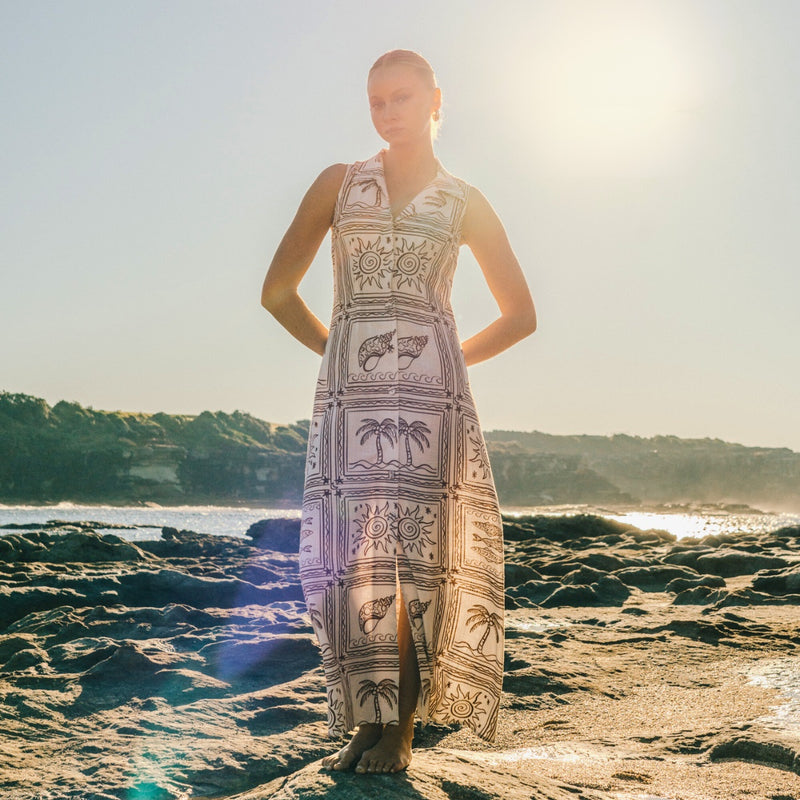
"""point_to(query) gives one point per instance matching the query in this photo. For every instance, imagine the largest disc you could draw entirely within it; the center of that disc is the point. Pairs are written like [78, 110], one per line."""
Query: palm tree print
[372, 427]
[316, 617]
[415, 431]
[386, 689]
[372, 183]
[480, 615]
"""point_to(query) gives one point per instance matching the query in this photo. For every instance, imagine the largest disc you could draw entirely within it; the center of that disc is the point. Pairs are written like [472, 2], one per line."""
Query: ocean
[145, 522]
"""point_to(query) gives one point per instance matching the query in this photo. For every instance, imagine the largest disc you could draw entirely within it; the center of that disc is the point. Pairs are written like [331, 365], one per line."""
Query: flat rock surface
[186, 667]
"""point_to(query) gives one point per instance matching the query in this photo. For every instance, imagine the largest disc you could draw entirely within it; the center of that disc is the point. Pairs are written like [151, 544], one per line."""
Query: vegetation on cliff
[68, 452]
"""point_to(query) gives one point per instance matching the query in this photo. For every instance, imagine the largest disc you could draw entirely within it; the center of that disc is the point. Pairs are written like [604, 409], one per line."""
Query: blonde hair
[410, 58]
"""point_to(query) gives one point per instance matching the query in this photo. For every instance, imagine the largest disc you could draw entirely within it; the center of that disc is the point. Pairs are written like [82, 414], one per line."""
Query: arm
[294, 256]
[483, 232]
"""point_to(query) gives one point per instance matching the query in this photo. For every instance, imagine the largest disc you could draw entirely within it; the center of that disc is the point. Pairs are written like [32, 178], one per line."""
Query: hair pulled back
[410, 58]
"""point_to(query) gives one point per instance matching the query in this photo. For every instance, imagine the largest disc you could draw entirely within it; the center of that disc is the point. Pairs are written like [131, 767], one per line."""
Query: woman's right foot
[367, 735]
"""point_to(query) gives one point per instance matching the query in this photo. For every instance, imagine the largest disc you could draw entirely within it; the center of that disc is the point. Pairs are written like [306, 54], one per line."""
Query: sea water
[145, 522]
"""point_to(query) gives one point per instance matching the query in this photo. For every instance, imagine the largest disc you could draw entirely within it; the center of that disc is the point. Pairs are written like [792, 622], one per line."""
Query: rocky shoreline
[637, 666]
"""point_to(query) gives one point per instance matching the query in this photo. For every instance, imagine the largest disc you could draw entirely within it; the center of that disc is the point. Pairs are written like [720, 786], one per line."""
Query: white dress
[398, 485]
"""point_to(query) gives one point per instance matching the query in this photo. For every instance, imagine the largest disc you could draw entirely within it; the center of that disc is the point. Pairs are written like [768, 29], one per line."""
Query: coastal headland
[637, 666]
[67, 452]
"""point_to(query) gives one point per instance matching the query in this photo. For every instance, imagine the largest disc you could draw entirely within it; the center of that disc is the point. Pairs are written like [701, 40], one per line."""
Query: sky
[642, 155]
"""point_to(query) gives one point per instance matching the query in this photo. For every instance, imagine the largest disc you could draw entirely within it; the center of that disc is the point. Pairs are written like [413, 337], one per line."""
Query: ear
[437, 99]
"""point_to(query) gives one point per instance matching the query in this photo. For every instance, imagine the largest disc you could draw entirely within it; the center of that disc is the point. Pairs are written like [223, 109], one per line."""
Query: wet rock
[608, 562]
[190, 544]
[70, 546]
[259, 575]
[759, 748]
[535, 591]
[560, 529]
[608, 589]
[13, 644]
[685, 555]
[274, 659]
[81, 654]
[573, 596]
[654, 578]
[749, 597]
[515, 574]
[788, 532]
[651, 536]
[135, 669]
[133, 660]
[784, 581]
[699, 595]
[18, 603]
[583, 575]
[171, 586]
[282, 535]
[22, 659]
[728, 563]
[681, 584]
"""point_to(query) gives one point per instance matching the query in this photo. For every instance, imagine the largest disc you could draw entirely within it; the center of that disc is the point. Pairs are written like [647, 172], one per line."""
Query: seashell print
[373, 348]
[416, 608]
[398, 470]
[371, 613]
[409, 347]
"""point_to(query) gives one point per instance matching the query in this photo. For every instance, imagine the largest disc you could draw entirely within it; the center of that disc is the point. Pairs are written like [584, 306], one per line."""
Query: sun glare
[608, 86]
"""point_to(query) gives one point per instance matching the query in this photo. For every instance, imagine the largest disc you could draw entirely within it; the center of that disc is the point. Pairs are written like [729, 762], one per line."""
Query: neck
[410, 157]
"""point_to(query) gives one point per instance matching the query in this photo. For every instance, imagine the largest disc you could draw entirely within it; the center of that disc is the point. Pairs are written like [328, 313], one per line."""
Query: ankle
[400, 731]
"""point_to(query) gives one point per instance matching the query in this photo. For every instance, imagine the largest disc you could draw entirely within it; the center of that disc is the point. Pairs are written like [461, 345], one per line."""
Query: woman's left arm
[485, 235]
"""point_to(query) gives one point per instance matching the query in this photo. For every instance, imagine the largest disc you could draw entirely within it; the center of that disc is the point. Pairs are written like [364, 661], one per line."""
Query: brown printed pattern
[398, 486]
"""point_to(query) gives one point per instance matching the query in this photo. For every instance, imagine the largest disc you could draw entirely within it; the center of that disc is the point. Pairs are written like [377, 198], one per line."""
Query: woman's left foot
[391, 754]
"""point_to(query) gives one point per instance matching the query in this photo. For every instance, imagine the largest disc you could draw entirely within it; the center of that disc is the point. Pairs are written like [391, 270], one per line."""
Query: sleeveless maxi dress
[398, 487]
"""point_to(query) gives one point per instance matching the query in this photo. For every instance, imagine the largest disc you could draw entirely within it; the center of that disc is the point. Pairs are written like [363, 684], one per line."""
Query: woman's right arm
[294, 256]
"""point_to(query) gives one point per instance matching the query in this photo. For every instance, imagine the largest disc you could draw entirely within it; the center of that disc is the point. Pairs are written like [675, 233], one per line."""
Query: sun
[607, 86]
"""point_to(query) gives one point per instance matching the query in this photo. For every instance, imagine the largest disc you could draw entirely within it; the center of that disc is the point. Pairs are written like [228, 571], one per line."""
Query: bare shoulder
[331, 177]
[320, 199]
[480, 218]
[328, 182]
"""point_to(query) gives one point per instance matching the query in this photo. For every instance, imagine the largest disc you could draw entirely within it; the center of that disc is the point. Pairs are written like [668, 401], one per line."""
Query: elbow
[273, 296]
[528, 322]
[532, 324]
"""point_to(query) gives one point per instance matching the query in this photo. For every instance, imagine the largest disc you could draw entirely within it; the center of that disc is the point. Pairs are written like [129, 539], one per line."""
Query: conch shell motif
[409, 347]
[371, 350]
[371, 613]
[416, 608]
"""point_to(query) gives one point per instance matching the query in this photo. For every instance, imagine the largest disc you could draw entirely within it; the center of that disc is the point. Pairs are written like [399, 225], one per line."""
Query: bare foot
[365, 737]
[391, 754]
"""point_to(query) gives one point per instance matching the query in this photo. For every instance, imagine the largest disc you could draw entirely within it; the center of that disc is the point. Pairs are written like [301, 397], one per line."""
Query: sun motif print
[398, 491]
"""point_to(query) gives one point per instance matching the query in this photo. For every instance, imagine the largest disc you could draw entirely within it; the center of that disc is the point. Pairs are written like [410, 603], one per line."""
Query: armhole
[337, 209]
[460, 229]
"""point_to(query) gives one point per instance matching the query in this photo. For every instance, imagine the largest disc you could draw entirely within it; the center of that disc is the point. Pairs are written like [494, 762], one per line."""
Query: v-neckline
[402, 211]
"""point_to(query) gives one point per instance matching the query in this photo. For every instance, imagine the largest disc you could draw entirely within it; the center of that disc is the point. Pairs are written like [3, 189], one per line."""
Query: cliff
[68, 452]
[666, 469]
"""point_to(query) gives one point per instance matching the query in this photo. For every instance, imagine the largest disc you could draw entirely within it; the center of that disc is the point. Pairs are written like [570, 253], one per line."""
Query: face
[401, 103]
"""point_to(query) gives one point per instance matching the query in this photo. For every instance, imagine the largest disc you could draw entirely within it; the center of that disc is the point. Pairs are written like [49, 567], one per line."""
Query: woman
[401, 556]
